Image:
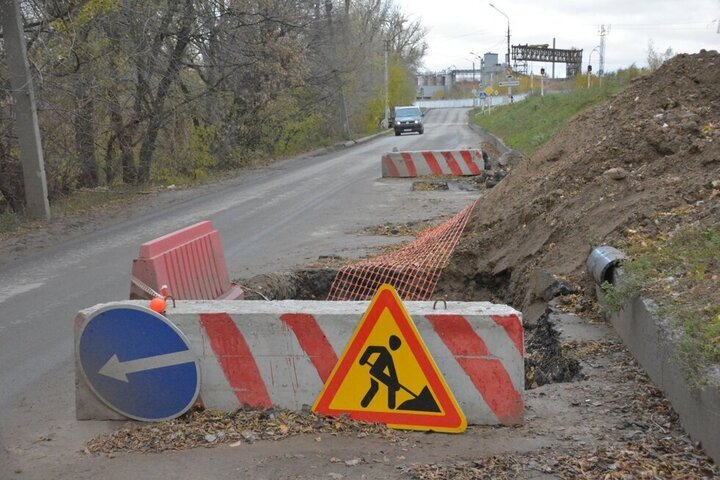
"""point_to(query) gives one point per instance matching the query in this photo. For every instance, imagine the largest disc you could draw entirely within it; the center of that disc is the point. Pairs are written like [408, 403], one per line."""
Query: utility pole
[532, 82]
[508, 35]
[482, 65]
[603, 33]
[26, 121]
[553, 62]
[387, 87]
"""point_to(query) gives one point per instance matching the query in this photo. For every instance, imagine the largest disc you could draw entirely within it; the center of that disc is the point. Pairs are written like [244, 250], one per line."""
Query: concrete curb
[373, 136]
[346, 144]
[464, 162]
[357, 141]
[490, 138]
[654, 343]
[280, 353]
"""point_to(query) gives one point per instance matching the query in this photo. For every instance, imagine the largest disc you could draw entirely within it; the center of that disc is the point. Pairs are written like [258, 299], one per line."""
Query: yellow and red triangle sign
[387, 375]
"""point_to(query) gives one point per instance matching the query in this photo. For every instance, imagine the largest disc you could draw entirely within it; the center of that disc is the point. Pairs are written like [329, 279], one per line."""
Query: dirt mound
[643, 163]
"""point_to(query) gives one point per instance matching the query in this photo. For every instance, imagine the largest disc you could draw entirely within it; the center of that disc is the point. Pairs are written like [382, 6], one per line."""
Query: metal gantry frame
[542, 53]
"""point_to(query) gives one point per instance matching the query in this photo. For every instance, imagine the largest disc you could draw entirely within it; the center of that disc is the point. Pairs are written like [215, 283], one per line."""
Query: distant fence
[458, 103]
[491, 101]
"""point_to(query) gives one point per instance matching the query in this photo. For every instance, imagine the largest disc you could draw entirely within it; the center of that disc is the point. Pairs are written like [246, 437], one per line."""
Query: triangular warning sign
[387, 375]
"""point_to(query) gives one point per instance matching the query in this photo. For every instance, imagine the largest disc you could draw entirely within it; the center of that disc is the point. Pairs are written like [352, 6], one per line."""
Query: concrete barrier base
[280, 353]
[440, 162]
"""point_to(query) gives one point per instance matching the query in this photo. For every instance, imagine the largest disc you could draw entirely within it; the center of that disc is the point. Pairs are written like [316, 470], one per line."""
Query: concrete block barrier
[446, 162]
[281, 353]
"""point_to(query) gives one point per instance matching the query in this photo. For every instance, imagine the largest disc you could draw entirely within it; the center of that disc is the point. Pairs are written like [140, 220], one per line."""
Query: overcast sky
[458, 27]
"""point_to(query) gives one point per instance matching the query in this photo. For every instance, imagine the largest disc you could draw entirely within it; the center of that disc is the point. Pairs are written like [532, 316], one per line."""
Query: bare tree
[137, 88]
[656, 59]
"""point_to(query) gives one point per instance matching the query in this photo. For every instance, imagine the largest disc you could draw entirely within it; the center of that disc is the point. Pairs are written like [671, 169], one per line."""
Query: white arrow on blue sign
[138, 363]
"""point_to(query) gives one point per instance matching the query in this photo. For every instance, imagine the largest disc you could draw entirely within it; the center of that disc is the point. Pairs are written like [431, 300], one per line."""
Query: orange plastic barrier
[190, 262]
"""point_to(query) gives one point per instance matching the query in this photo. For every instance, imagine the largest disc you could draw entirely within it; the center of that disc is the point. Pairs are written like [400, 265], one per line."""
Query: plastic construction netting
[412, 270]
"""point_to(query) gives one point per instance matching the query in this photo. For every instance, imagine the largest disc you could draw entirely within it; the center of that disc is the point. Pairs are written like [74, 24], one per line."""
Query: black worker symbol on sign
[382, 370]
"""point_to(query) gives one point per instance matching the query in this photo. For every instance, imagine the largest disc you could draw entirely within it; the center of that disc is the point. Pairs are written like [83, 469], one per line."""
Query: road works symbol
[386, 374]
[423, 402]
[138, 363]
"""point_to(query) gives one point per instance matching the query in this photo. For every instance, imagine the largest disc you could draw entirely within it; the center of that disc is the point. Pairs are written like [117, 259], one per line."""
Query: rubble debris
[543, 286]
[545, 359]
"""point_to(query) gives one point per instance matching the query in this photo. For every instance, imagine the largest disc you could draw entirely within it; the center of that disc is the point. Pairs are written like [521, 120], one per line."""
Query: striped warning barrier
[447, 162]
[281, 353]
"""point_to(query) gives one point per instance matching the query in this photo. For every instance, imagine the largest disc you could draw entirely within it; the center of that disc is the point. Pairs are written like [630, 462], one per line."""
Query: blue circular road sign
[138, 363]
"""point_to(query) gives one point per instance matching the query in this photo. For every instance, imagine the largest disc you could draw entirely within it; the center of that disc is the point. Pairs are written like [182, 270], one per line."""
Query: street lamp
[508, 35]
[591, 52]
[482, 64]
[473, 68]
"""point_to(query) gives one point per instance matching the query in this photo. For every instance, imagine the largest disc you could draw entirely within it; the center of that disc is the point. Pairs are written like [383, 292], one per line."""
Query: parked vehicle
[408, 119]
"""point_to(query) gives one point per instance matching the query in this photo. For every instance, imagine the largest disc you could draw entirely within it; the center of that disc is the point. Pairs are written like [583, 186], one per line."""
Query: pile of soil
[643, 163]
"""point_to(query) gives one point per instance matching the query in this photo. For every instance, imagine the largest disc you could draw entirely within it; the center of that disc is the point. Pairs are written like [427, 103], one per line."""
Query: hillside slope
[643, 163]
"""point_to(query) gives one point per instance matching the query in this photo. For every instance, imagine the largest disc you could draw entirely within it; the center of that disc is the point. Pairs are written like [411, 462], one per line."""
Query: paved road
[270, 219]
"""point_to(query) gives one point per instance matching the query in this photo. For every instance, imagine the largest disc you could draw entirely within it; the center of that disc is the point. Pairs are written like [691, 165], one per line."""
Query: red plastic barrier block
[189, 261]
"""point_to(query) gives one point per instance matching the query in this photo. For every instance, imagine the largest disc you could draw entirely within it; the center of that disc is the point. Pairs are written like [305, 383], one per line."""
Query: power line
[670, 26]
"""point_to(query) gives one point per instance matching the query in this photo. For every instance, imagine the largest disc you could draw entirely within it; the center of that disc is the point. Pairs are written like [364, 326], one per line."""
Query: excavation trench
[546, 361]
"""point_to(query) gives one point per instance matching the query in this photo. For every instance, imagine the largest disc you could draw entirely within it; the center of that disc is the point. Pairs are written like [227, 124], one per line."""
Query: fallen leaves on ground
[429, 185]
[584, 350]
[410, 229]
[657, 459]
[579, 303]
[205, 428]
[643, 437]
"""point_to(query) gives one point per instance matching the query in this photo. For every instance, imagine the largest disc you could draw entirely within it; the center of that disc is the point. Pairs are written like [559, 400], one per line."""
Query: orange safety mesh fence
[413, 270]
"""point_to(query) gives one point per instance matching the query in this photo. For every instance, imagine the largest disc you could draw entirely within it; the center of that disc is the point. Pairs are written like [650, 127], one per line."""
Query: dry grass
[681, 274]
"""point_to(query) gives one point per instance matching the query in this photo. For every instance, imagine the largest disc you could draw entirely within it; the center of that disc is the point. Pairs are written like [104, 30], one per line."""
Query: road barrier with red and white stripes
[439, 162]
[280, 353]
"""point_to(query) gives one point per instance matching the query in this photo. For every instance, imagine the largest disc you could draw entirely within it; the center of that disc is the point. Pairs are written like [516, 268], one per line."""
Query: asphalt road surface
[270, 219]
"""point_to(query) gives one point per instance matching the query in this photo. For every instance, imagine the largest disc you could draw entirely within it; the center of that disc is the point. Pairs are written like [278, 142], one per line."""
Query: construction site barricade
[280, 353]
[190, 262]
[466, 162]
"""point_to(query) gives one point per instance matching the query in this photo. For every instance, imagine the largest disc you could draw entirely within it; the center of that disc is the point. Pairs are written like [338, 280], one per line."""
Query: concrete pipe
[602, 261]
